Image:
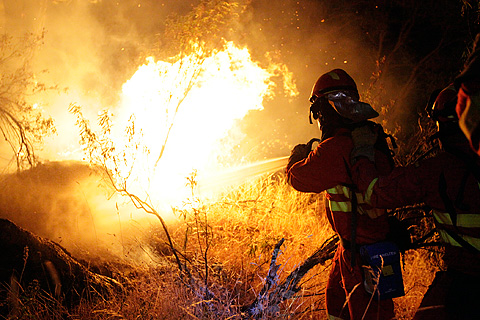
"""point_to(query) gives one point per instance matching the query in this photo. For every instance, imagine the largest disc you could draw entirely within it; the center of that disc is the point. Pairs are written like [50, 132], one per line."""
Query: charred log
[27, 259]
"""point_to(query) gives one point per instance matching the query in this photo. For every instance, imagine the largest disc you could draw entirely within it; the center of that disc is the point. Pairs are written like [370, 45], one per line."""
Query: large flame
[185, 107]
[175, 117]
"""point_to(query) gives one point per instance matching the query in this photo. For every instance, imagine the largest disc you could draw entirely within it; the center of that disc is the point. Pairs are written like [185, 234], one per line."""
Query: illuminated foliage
[22, 123]
[125, 161]
[206, 25]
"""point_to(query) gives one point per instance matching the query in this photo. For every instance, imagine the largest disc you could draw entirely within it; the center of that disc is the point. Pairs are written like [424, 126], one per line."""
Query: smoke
[302, 35]
[91, 48]
[67, 203]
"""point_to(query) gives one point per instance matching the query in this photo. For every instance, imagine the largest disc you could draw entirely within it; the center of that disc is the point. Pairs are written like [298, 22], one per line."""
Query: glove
[364, 139]
[299, 152]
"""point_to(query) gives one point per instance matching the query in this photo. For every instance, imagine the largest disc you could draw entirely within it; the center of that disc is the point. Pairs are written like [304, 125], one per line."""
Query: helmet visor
[347, 105]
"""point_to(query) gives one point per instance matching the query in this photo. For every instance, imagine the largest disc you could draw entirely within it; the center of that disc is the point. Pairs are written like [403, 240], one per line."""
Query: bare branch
[268, 303]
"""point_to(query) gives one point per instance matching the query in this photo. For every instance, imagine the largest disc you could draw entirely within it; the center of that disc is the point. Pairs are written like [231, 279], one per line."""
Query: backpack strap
[381, 145]
[354, 219]
[353, 226]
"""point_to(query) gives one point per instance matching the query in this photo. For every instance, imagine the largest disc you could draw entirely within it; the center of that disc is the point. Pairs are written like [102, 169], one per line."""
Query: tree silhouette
[22, 124]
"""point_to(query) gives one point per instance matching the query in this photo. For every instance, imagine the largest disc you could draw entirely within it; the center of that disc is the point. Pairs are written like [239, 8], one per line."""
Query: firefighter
[449, 184]
[336, 107]
[468, 104]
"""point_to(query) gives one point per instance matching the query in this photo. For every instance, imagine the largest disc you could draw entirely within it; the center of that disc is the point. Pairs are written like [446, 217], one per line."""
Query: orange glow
[226, 85]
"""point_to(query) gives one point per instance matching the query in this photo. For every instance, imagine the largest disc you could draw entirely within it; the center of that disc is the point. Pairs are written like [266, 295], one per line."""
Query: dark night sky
[423, 44]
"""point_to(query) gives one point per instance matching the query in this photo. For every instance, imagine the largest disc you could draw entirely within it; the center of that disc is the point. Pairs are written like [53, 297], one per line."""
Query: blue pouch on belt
[382, 270]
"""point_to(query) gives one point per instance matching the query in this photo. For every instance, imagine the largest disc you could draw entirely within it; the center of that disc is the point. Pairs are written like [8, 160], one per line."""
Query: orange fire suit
[468, 102]
[468, 111]
[327, 168]
[447, 185]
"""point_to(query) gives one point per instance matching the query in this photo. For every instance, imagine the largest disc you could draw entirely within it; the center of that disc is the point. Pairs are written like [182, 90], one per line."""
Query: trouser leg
[335, 293]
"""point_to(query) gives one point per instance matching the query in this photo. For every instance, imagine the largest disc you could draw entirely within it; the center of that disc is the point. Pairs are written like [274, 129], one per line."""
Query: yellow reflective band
[330, 317]
[369, 192]
[360, 199]
[340, 190]
[346, 206]
[340, 206]
[463, 220]
[448, 239]
[372, 213]
[343, 206]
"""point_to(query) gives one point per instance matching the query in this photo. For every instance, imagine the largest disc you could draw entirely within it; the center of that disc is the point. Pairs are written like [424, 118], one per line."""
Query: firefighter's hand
[299, 152]
[363, 141]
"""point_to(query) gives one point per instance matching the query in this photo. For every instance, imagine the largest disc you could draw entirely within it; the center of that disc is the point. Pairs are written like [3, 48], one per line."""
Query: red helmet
[443, 108]
[335, 80]
[443, 112]
[338, 90]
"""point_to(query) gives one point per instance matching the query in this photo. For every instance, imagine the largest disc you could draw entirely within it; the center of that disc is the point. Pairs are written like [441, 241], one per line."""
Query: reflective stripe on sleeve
[340, 201]
[340, 192]
[369, 191]
[448, 239]
[463, 220]
[340, 206]
[343, 190]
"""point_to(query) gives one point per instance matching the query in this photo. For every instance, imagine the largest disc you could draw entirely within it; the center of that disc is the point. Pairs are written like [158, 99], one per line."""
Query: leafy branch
[22, 124]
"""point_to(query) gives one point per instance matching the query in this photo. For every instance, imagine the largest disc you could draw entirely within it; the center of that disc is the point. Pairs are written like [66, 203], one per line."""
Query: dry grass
[419, 270]
[150, 294]
[243, 227]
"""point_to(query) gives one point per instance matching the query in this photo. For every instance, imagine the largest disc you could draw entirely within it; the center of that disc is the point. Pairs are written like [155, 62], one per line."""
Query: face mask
[348, 106]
